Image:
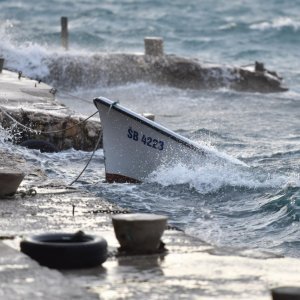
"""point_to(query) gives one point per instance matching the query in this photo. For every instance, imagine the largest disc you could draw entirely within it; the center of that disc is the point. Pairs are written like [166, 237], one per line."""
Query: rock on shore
[80, 136]
[33, 105]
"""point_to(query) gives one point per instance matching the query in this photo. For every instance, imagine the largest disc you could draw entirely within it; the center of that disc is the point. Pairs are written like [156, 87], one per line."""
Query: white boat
[135, 146]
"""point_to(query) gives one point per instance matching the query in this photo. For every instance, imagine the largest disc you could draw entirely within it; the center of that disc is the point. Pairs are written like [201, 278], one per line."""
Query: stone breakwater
[33, 105]
[71, 71]
[80, 135]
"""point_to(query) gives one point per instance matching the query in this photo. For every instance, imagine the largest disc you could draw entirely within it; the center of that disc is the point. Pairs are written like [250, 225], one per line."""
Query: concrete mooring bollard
[1, 64]
[286, 293]
[64, 33]
[9, 181]
[154, 46]
[139, 233]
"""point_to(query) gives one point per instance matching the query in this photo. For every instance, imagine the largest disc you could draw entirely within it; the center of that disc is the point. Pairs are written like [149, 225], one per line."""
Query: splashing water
[211, 178]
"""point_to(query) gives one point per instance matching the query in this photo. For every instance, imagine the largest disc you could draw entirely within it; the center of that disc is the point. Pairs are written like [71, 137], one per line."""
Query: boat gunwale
[157, 127]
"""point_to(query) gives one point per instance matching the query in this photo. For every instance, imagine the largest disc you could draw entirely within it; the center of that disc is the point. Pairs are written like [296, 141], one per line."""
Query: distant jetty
[109, 69]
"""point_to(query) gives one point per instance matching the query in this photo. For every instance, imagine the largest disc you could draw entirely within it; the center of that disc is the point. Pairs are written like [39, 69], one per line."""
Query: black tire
[43, 146]
[65, 250]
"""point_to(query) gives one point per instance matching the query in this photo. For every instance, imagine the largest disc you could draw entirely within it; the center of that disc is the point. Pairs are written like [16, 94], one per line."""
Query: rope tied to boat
[92, 155]
[33, 193]
[112, 105]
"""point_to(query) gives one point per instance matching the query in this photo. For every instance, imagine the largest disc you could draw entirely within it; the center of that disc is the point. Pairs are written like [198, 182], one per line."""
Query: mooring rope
[62, 130]
[16, 121]
[112, 105]
[56, 131]
[96, 147]
[45, 132]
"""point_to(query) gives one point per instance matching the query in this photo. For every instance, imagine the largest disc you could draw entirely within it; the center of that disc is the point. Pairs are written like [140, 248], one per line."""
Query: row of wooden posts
[153, 45]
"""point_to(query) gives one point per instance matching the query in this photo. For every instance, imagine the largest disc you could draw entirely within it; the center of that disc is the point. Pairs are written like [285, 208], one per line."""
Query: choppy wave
[211, 178]
[244, 211]
[277, 23]
[270, 222]
[26, 57]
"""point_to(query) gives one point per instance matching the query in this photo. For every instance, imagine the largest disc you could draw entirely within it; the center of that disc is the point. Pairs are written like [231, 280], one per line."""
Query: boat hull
[134, 147]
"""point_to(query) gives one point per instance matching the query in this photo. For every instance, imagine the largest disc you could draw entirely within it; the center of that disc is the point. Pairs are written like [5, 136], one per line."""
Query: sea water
[255, 207]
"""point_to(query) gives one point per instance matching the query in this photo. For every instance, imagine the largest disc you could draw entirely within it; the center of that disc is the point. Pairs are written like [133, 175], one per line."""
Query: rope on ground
[109, 211]
[31, 192]
[14, 120]
[77, 124]
[45, 132]
[96, 147]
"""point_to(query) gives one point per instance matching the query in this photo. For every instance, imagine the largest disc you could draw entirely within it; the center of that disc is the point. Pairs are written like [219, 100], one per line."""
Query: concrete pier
[189, 269]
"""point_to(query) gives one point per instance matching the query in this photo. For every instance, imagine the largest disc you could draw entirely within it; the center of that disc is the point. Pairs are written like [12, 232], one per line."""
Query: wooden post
[154, 46]
[64, 33]
[259, 67]
[1, 64]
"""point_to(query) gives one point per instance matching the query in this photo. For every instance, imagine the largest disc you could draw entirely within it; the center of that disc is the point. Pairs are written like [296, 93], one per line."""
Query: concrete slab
[189, 270]
[23, 279]
[24, 90]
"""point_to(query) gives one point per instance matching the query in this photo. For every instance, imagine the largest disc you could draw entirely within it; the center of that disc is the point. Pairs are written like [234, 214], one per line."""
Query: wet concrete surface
[189, 269]
[21, 278]
[24, 90]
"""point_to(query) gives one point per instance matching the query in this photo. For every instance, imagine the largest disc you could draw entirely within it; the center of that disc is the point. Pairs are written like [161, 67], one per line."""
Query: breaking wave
[34, 59]
[27, 57]
[210, 178]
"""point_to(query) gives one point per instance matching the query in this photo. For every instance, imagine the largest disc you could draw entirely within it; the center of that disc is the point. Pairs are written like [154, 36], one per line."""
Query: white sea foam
[29, 57]
[211, 177]
[277, 23]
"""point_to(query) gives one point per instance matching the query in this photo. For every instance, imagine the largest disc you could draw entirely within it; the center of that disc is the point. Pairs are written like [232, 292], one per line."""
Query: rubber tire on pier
[43, 146]
[65, 250]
